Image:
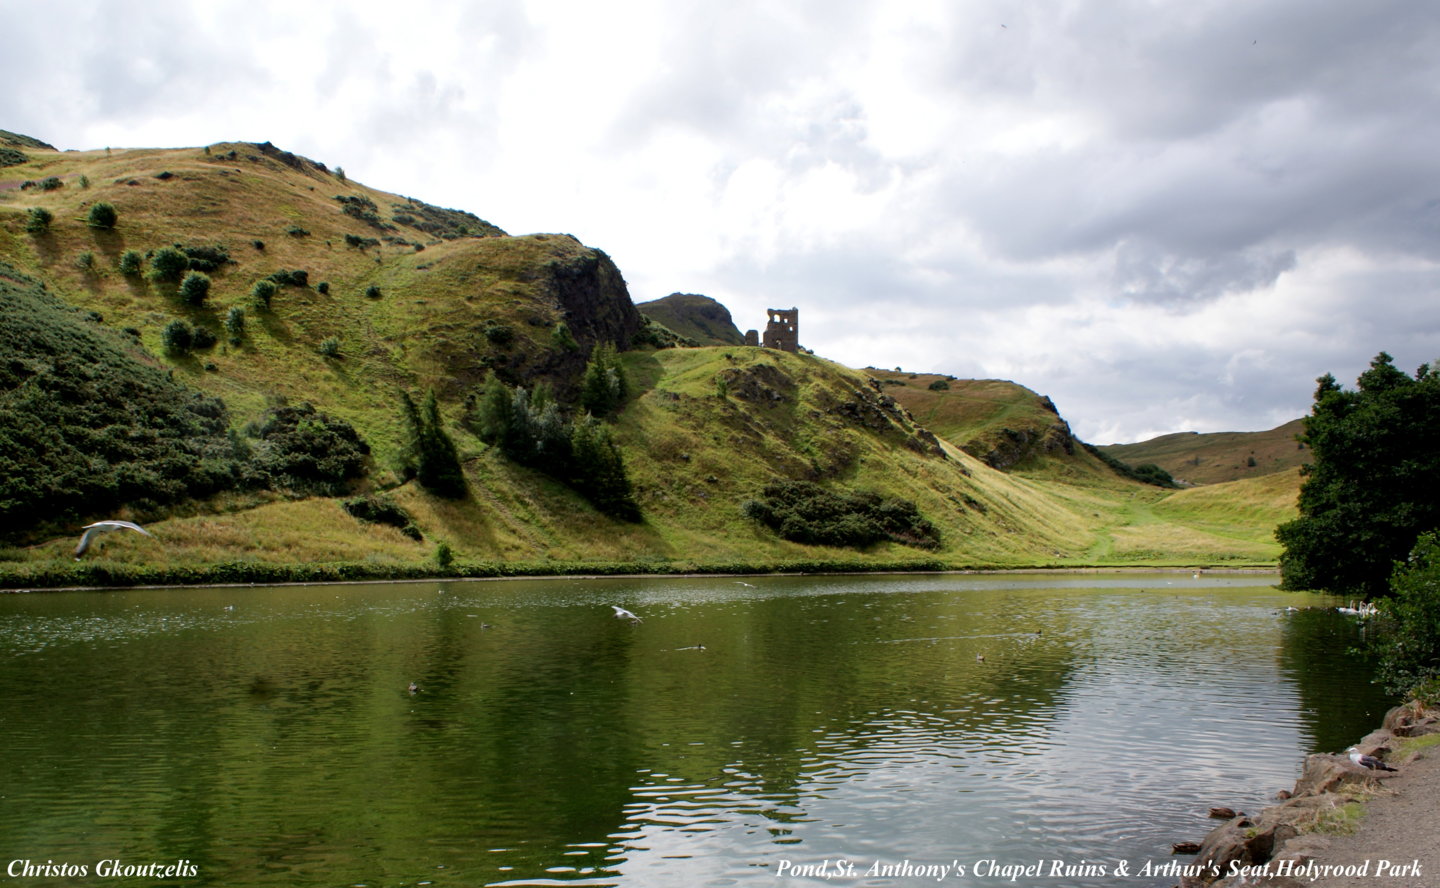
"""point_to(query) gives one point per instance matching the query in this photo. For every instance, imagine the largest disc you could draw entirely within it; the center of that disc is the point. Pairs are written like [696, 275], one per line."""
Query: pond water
[770, 730]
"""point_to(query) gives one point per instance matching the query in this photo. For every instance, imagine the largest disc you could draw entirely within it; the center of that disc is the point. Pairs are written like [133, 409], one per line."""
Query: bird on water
[622, 614]
[99, 527]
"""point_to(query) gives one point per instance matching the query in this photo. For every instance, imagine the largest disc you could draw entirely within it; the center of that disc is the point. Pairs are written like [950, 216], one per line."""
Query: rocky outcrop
[1284, 836]
[591, 294]
[1007, 447]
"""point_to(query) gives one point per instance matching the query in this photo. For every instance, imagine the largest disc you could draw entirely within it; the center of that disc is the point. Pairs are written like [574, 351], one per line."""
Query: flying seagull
[1368, 761]
[622, 614]
[99, 527]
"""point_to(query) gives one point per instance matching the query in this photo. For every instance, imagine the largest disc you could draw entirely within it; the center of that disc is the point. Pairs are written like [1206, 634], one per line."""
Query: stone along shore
[1343, 825]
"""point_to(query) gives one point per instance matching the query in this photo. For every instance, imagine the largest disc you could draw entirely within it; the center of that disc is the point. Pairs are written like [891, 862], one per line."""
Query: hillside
[700, 319]
[328, 302]
[1213, 458]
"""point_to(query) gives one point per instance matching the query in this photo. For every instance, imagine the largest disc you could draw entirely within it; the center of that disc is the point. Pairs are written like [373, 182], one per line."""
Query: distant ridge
[695, 317]
[1216, 457]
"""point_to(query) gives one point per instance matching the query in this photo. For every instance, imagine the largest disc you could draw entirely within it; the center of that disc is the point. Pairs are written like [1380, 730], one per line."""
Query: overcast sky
[1167, 216]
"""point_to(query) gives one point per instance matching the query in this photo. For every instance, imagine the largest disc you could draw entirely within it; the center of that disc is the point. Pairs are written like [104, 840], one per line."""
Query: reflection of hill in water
[848, 715]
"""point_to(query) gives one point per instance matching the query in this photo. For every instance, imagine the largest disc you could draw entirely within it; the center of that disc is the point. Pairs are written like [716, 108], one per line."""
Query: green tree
[597, 470]
[603, 386]
[131, 262]
[102, 215]
[178, 337]
[168, 264]
[195, 289]
[1369, 492]
[235, 324]
[262, 293]
[432, 451]
[38, 220]
[1409, 644]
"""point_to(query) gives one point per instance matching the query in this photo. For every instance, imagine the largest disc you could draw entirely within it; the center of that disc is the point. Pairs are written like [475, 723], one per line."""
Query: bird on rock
[1369, 762]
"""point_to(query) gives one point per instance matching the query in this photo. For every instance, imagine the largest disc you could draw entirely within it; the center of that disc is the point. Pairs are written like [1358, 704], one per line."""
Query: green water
[741, 732]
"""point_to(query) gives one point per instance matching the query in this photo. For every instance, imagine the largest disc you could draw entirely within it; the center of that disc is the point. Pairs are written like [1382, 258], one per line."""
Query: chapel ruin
[782, 331]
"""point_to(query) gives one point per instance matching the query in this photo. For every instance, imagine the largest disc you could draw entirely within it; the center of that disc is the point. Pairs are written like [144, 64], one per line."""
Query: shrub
[372, 292]
[50, 183]
[803, 512]
[330, 347]
[178, 337]
[131, 262]
[308, 451]
[297, 231]
[168, 264]
[499, 334]
[262, 293]
[84, 181]
[444, 555]
[1409, 642]
[195, 289]
[298, 277]
[235, 324]
[204, 338]
[323, 287]
[940, 385]
[85, 261]
[355, 240]
[562, 338]
[38, 220]
[206, 259]
[382, 510]
[102, 215]
[603, 387]
[258, 244]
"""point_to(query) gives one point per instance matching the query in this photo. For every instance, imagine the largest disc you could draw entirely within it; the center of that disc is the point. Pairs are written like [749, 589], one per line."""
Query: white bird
[622, 614]
[743, 583]
[1368, 761]
[99, 527]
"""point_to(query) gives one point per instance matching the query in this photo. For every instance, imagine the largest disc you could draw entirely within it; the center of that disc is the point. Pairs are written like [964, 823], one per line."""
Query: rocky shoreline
[1291, 844]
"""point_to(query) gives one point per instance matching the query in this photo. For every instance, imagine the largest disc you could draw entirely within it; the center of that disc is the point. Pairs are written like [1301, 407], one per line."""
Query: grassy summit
[304, 306]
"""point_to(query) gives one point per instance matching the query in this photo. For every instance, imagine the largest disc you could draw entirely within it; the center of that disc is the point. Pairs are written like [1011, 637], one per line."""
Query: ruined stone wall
[783, 330]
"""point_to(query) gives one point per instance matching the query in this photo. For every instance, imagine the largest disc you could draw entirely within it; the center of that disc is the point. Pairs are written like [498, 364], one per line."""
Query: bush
[372, 292]
[206, 259]
[195, 289]
[361, 243]
[499, 334]
[178, 337]
[235, 324]
[803, 512]
[382, 510]
[102, 215]
[323, 288]
[298, 277]
[297, 231]
[204, 338]
[262, 293]
[168, 264]
[940, 385]
[38, 220]
[330, 347]
[309, 452]
[131, 262]
[85, 261]
[258, 244]
[50, 183]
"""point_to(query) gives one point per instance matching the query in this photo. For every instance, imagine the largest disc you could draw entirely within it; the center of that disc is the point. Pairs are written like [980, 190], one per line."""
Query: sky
[1166, 216]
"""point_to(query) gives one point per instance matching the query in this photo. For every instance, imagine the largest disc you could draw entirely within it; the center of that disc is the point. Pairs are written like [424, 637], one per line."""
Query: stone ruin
[782, 331]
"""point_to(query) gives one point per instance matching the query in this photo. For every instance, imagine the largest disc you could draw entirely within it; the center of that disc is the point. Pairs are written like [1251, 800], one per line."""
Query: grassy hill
[398, 295]
[1216, 457]
[700, 319]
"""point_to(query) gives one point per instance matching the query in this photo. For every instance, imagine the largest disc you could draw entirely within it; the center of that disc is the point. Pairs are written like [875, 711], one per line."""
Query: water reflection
[270, 735]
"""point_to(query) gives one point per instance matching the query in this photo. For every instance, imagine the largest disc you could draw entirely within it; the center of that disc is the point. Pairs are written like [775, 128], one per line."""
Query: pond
[747, 731]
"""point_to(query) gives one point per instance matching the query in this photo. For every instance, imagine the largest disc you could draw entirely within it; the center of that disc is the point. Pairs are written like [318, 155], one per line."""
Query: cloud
[1166, 217]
